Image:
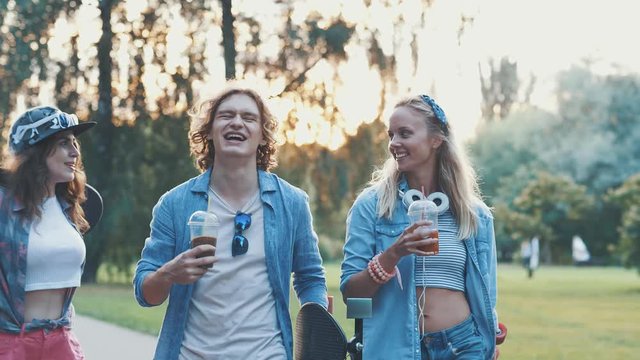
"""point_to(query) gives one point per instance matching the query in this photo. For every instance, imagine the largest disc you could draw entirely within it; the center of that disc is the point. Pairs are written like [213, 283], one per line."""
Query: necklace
[227, 206]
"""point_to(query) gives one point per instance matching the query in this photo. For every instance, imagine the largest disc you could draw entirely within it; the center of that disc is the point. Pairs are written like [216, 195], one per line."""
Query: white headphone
[440, 199]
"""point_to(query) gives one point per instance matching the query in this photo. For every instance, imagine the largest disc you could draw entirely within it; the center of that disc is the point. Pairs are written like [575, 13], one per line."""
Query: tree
[594, 112]
[604, 111]
[499, 88]
[334, 178]
[512, 146]
[149, 65]
[627, 198]
[513, 227]
[23, 50]
[559, 204]
[228, 40]
[101, 164]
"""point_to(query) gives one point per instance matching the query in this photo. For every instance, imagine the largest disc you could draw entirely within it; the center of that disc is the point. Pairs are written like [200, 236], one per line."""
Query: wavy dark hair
[202, 116]
[26, 175]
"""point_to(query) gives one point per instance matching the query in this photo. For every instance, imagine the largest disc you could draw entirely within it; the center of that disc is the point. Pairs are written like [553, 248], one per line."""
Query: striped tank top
[445, 270]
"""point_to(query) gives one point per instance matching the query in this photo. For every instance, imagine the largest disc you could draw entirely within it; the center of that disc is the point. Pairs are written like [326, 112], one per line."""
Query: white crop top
[55, 252]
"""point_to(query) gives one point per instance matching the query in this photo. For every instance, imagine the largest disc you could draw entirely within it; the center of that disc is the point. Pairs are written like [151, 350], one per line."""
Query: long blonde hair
[455, 175]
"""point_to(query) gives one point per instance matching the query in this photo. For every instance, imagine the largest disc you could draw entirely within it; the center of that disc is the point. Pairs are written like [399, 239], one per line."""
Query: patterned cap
[39, 123]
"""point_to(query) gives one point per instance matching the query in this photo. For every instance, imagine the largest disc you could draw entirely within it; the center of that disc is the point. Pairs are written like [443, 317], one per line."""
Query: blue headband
[437, 111]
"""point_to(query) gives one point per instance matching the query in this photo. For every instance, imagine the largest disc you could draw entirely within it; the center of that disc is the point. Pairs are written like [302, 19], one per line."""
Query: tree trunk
[101, 164]
[228, 40]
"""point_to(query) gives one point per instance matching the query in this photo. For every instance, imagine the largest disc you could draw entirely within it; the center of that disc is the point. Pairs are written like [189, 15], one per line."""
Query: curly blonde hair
[202, 116]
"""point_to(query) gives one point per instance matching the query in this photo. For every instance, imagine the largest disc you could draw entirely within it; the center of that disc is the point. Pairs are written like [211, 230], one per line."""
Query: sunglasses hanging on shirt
[240, 244]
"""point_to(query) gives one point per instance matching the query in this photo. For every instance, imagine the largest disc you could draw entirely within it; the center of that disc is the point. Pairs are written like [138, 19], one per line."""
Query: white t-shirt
[232, 314]
[55, 252]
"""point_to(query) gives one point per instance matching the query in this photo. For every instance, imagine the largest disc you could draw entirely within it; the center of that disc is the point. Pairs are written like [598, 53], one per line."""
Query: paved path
[104, 341]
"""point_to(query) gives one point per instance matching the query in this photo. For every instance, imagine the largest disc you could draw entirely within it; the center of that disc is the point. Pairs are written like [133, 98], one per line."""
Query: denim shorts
[461, 341]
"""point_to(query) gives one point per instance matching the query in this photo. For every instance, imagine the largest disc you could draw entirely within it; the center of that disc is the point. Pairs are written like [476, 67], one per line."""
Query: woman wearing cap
[424, 307]
[41, 225]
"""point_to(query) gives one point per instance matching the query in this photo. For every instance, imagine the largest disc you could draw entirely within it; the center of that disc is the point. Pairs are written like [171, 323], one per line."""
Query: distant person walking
[530, 253]
[535, 256]
[525, 254]
[579, 251]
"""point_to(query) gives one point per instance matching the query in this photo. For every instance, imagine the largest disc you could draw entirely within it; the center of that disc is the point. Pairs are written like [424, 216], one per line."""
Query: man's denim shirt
[392, 332]
[14, 241]
[291, 245]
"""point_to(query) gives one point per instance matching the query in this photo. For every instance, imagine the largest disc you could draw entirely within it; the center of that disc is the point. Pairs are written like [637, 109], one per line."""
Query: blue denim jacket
[14, 241]
[392, 332]
[291, 245]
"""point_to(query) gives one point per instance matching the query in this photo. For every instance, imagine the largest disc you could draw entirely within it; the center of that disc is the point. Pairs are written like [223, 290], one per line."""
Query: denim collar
[266, 182]
[18, 206]
[403, 184]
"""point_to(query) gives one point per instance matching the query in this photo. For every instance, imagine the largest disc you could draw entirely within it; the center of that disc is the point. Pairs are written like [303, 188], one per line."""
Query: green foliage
[507, 148]
[332, 180]
[23, 49]
[550, 207]
[627, 197]
[554, 199]
[597, 112]
[630, 237]
[116, 304]
[514, 227]
[152, 156]
[138, 92]
[594, 112]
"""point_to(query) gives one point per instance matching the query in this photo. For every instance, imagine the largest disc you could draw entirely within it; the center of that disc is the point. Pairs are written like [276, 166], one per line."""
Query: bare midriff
[44, 304]
[443, 308]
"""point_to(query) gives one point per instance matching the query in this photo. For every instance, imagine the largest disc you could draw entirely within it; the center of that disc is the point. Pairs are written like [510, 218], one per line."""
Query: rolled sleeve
[159, 247]
[359, 245]
[492, 262]
[308, 274]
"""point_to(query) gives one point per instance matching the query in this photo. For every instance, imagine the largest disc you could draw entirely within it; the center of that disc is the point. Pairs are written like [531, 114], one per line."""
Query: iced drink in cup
[204, 230]
[426, 210]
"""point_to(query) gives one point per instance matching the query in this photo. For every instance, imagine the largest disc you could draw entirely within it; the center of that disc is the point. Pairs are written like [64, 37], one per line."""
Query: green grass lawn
[562, 313]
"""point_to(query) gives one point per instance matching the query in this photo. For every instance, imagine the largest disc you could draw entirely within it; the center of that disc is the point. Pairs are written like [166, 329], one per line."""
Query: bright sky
[543, 36]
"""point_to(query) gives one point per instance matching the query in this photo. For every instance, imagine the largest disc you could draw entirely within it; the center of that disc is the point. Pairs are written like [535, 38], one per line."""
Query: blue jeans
[461, 341]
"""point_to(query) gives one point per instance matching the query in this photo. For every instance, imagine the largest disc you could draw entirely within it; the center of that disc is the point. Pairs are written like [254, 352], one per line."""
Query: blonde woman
[424, 307]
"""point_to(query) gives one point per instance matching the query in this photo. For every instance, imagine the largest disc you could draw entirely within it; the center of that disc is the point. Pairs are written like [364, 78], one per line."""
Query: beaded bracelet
[386, 275]
[373, 274]
[377, 272]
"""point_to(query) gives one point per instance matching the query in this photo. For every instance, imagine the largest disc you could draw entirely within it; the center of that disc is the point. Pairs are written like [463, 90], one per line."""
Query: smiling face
[236, 130]
[410, 142]
[62, 160]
